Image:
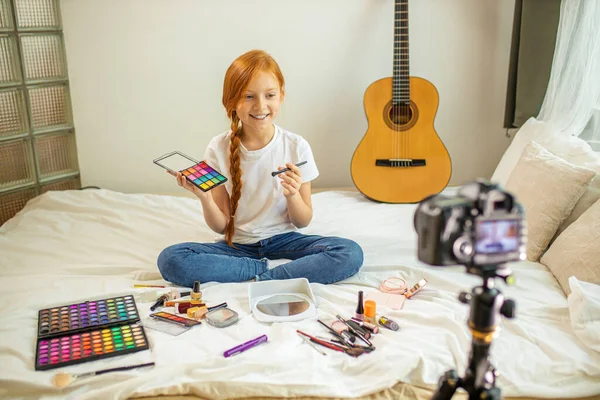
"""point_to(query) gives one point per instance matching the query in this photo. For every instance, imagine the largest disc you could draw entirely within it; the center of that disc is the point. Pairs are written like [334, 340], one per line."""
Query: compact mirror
[175, 161]
[283, 305]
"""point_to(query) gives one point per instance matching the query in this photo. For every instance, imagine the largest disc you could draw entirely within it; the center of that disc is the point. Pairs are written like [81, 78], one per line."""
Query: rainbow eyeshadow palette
[87, 331]
[91, 345]
[198, 172]
[90, 314]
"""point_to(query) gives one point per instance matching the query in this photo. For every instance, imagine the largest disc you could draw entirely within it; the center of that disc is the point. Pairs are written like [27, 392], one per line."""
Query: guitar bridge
[401, 162]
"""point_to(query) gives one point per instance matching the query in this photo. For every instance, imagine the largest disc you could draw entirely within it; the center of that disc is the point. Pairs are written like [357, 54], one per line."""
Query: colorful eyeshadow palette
[176, 319]
[90, 314]
[198, 172]
[80, 332]
[88, 346]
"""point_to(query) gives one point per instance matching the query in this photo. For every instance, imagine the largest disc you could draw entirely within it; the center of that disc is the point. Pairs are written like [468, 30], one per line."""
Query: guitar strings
[407, 83]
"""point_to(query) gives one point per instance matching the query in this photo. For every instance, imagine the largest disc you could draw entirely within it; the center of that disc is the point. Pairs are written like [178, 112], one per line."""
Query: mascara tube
[159, 302]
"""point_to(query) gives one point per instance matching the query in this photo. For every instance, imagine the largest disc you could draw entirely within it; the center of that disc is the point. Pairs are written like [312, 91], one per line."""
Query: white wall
[146, 77]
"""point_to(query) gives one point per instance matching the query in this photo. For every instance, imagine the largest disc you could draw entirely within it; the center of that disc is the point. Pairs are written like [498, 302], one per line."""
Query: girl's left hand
[290, 180]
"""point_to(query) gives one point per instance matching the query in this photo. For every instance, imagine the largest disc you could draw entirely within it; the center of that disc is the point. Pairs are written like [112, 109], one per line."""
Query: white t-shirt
[262, 208]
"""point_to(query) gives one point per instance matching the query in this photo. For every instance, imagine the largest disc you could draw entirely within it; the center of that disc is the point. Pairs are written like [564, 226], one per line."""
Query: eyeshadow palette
[176, 319]
[86, 331]
[197, 172]
[91, 345]
[78, 317]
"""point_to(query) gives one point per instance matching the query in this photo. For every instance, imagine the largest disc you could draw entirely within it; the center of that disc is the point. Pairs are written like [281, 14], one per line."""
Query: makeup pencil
[275, 173]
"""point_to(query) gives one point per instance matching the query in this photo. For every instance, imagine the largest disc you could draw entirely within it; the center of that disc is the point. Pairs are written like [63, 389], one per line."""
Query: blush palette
[198, 173]
[86, 331]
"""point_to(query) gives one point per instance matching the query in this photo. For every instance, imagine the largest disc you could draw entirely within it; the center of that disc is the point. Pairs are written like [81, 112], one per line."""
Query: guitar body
[403, 136]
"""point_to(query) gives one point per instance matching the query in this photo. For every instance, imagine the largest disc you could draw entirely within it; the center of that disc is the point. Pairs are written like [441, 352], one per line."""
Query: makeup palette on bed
[88, 346]
[80, 332]
[198, 172]
[78, 317]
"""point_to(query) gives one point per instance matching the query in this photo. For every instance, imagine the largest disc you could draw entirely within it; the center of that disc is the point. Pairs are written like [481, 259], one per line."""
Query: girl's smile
[260, 116]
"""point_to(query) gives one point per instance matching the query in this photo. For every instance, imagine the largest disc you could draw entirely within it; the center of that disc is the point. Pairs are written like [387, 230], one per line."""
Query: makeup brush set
[345, 340]
[351, 336]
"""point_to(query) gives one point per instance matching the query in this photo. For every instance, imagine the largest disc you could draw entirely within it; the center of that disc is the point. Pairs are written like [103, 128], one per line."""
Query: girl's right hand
[187, 185]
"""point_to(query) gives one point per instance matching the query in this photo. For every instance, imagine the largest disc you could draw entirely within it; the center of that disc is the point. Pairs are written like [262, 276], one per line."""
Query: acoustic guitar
[400, 159]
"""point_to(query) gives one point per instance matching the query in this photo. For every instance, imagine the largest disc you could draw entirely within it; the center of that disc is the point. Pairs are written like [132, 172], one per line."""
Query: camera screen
[497, 236]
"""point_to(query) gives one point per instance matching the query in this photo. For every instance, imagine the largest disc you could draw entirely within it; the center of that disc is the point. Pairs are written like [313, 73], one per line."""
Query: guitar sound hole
[400, 117]
[400, 114]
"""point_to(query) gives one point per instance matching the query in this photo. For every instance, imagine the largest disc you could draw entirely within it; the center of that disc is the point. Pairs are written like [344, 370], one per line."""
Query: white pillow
[569, 148]
[576, 252]
[584, 309]
[548, 187]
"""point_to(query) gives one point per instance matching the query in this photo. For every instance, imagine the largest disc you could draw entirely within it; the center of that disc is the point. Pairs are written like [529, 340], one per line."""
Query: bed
[71, 246]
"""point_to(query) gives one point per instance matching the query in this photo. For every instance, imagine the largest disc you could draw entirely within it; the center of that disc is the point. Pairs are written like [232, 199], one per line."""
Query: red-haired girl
[259, 214]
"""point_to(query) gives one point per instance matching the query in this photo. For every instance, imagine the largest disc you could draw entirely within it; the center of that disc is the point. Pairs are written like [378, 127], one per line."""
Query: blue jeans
[316, 258]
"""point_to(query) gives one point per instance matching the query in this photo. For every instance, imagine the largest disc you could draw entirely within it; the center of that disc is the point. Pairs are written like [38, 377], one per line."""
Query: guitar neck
[401, 77]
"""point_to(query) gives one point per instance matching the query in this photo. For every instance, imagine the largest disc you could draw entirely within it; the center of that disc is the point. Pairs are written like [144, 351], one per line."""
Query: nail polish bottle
[360, 308]
[196, 294]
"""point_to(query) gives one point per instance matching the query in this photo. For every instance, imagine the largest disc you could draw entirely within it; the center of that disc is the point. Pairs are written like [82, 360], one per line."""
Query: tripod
[487, 303]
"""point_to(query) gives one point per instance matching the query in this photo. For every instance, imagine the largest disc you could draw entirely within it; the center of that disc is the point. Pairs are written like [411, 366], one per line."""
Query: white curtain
[572, 101]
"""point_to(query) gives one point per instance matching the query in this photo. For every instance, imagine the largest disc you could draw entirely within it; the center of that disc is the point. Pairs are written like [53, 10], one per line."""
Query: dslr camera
[482, 225]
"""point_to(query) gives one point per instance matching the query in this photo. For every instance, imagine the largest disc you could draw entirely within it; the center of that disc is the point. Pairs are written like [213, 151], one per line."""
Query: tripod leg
[447, 385]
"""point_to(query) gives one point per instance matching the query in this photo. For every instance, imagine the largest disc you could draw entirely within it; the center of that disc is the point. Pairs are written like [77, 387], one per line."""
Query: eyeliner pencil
[275, 173]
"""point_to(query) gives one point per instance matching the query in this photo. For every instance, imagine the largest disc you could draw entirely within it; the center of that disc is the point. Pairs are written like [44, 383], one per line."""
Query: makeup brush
[63, 379]
[354, 331]
[345, 338]
[307, 340]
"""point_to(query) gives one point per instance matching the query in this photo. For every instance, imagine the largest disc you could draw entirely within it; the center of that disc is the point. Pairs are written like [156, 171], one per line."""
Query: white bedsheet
[72, 246]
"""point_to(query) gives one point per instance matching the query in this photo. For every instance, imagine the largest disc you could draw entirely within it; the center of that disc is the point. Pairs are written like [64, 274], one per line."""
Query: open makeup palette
[80, 332]
[199, 173]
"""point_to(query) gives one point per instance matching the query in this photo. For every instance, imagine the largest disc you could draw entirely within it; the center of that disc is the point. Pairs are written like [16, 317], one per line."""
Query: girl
[258, 213]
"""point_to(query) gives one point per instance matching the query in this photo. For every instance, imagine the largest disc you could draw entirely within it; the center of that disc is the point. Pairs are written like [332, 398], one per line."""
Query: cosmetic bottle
[370, 311]
[359, 315]
[182, 307]
[196, 294]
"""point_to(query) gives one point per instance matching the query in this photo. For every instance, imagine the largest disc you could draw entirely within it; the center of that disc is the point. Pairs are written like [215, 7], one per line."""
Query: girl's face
[260, 103]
